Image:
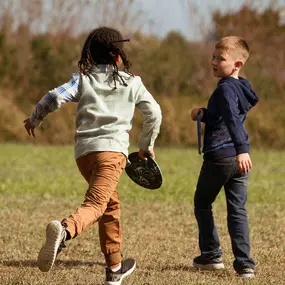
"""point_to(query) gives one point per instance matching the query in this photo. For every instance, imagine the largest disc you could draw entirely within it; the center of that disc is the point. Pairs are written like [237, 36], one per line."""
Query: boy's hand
[143, 152]
[29, 127]
[244, 163]
[195, 112]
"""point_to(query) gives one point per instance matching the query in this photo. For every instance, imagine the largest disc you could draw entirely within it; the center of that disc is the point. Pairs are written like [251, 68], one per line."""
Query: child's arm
[228, 105]
[52, 101]
[199, 111]
[152, 120]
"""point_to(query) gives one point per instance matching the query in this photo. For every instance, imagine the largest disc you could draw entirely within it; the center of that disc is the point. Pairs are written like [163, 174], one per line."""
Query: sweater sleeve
[228, 105]
[54, 99]
[151, 112]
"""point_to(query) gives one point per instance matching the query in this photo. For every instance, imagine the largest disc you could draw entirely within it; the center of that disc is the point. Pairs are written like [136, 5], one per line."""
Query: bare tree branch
[73, 17]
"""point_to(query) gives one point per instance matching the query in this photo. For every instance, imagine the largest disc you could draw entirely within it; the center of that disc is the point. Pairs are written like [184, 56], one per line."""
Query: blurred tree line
[175, 70]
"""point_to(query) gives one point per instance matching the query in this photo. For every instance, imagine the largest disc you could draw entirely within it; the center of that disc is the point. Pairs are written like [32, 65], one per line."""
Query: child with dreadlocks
[106, 100]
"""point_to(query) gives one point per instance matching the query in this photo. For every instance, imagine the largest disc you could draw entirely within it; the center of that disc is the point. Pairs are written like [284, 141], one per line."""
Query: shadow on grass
[64, 263]
[177, 267]
[181, 267]
[74, 263]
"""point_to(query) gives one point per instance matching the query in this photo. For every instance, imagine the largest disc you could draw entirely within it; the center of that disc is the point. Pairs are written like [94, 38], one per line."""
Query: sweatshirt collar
[103, 68]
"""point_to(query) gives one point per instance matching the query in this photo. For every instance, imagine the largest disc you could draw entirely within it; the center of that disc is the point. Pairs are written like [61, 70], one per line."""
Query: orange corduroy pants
[102, 171]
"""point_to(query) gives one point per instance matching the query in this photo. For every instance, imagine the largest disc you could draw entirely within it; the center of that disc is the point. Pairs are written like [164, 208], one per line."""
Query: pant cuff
[113, 258]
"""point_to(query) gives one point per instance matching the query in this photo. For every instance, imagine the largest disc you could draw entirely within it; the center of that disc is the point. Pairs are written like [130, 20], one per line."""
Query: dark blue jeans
[213, 176]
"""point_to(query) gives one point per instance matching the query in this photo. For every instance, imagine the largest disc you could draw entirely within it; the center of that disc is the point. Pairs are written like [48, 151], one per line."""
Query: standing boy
[226, 159]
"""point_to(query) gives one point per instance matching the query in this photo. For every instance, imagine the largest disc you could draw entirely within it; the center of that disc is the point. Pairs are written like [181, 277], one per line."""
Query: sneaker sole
[213, 266]
[122, 277]
[246, 275]
[48, 252]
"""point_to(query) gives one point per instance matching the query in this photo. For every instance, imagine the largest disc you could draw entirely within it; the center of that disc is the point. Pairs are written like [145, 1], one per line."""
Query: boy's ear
[239, 64]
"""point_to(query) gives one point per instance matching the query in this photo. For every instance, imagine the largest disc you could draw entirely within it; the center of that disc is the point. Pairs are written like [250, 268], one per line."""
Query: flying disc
[145, 173]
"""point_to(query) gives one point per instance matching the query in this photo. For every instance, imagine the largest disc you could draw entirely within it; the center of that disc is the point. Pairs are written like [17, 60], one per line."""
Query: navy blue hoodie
[225, 134]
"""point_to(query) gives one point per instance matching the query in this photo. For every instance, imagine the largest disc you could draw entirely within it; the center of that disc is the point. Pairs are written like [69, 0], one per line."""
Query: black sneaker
[246, 272]
[115, 278]
[55, 238]
[204, 263]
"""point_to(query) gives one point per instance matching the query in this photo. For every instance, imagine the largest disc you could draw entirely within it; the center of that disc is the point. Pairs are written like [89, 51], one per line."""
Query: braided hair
[100, 47]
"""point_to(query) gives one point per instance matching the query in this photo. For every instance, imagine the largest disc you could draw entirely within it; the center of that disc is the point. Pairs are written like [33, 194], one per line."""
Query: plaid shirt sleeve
[54, 99]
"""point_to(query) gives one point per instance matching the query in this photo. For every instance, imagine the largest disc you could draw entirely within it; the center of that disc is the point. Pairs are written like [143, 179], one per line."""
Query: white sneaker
[246, 273]
[55, 238]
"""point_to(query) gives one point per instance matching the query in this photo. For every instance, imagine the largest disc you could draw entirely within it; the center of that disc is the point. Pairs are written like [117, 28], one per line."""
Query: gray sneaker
[246, 272]
[55, 238]
[115, 278]
[204, 263]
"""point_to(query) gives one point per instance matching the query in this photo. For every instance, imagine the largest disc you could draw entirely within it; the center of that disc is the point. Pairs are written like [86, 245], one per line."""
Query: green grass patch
[42, 183]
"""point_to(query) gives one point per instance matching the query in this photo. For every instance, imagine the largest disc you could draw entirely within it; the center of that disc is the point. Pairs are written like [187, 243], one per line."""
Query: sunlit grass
[38, 184]
[28, 169]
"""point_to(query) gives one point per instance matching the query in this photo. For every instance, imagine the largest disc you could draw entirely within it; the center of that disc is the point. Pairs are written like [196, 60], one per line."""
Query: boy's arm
[54, 99]
[152, 119]
[228, 105]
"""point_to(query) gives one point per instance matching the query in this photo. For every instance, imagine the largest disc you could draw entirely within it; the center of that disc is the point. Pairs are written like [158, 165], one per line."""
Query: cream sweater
[104, 114]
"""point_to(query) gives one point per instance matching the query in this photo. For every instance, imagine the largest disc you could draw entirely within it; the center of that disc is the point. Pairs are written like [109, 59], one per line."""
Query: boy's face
[223, 64]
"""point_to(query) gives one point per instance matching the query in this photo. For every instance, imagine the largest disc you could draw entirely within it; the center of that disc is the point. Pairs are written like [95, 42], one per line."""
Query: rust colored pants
[102, 171]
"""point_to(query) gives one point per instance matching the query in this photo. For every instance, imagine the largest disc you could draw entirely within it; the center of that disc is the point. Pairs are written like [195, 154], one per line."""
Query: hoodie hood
[247, 97]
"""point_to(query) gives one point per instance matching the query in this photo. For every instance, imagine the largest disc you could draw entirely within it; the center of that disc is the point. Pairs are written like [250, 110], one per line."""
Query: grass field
[39, 184]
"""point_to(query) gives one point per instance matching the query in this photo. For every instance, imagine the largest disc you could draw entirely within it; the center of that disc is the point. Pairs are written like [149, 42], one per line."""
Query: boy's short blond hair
[235, 45]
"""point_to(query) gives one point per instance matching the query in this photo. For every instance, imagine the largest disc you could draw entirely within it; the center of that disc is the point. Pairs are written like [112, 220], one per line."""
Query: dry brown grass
[39, 184]
[162, 237]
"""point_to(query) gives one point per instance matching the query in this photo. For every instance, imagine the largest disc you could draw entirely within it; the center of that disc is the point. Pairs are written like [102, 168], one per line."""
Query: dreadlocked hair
[100, 47]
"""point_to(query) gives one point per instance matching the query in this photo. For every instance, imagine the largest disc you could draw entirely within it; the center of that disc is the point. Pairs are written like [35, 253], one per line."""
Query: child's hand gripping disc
[145, 173]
